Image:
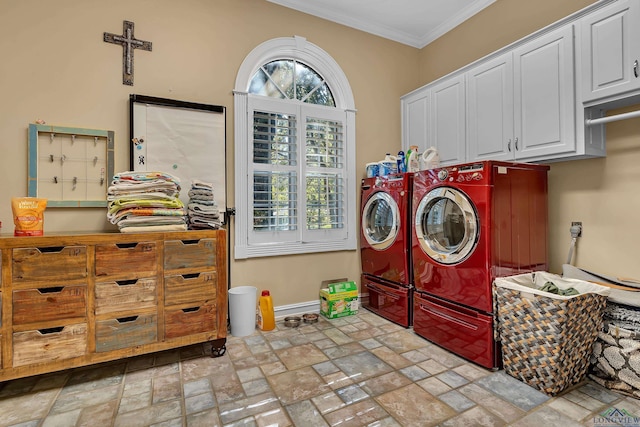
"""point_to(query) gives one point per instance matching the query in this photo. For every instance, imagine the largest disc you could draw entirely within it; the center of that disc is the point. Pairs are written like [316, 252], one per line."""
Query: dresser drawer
[133, 258]
[52, 303]
[49, 263]
[188, 288]
[199, 253]
[187, 321]
[114, 334]
[125, 295]
[48, 345]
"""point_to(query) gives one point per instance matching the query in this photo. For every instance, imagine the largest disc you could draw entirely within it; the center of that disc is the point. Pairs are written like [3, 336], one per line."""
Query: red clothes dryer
[471, 223]
[385, 246]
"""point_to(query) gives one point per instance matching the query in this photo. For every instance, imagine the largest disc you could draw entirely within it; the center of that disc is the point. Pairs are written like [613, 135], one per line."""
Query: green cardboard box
[343, 301]
[335, 288]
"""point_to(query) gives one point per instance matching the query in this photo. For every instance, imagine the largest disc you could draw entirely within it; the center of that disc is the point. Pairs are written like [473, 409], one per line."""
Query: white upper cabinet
[447, 130]
[415, 119]
[544, 96]
[490, 110]
[528, 101]
[521, 103]
[610, 50]
[434, 116]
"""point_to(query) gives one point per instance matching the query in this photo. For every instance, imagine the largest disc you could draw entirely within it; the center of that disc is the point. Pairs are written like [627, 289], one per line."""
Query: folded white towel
[198, 207]
[157, 228]
[196, 183]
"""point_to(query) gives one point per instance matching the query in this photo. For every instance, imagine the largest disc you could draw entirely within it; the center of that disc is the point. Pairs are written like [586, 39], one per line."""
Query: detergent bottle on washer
[430, 159]
[413, 159]
[389, 165]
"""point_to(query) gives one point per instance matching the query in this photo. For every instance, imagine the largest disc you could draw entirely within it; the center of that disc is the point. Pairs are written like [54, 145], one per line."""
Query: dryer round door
[446, 224]
[380, 220]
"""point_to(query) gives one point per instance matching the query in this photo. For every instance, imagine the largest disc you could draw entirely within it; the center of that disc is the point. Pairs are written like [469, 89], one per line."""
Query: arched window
[291, 79]
[295, 152]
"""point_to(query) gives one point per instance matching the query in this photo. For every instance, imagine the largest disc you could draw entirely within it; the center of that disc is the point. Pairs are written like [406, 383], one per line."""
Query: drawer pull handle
[190, 310]
[54, 290]
[126, 245]
[127, 319]
[191, 242]
[52, 249]
[190, 276]
[48, 331]
[126, 282]
[448, 317]
[382, 291]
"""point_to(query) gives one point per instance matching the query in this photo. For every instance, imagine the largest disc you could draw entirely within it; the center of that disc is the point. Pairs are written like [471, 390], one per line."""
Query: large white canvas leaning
[184, 142]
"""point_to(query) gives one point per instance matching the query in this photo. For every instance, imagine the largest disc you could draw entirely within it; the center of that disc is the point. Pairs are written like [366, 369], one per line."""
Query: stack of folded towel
[145, 201]
[202, 209]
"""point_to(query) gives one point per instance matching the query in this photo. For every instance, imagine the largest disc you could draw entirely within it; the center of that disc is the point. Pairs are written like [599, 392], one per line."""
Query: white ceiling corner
[411, 22]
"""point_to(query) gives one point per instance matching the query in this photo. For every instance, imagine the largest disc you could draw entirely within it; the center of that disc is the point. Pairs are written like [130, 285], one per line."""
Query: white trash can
[242, 310]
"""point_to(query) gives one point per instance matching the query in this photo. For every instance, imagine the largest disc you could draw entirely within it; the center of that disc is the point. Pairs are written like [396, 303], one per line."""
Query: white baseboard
[301, 308]
[297, 309]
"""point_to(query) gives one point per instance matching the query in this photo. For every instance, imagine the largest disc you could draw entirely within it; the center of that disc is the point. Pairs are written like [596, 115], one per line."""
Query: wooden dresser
[71, 300]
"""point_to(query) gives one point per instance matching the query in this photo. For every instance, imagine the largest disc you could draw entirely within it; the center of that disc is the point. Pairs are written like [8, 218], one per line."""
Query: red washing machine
[471, 223]
[385, 246]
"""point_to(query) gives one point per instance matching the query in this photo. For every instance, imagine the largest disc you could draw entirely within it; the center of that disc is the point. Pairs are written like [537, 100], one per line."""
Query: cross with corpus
[129, 43]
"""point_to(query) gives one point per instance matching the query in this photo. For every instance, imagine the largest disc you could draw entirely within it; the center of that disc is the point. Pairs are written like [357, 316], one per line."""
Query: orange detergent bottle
[266, 316]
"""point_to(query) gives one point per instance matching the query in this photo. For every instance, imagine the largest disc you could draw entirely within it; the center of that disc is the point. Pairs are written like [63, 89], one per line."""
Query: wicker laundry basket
[546, 338]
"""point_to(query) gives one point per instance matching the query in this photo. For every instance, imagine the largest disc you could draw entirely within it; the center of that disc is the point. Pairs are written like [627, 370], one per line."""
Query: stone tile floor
[356, 371]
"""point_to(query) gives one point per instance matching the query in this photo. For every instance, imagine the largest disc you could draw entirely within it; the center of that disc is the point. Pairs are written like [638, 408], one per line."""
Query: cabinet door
[544, 95]
[490, 110]
[415, 116]
[611, 50]
[447, 130]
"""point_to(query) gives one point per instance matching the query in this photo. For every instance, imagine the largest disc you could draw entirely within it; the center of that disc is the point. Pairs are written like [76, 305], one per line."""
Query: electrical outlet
[578, 225]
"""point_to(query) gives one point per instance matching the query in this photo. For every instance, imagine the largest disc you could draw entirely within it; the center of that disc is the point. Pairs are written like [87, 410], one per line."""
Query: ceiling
[412, 22]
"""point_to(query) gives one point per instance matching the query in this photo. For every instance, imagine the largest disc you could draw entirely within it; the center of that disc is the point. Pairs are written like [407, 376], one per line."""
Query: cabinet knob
[509, 145]
[635, 68]
[516, 144]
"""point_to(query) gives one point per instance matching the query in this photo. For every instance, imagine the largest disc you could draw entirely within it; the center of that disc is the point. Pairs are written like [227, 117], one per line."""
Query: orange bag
[28, 215]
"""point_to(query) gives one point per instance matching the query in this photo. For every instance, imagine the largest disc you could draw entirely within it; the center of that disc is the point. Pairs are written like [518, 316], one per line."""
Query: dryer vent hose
[571, 248]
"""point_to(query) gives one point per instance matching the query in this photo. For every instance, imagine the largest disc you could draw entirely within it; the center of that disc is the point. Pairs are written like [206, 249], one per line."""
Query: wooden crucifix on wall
[129, 43]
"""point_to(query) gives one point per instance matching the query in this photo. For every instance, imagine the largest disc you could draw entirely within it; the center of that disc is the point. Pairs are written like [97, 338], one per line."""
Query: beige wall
[602, 193]
[55, 66]
[497, 26]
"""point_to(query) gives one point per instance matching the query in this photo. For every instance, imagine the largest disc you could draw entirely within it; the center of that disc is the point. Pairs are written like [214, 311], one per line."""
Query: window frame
[309, 241]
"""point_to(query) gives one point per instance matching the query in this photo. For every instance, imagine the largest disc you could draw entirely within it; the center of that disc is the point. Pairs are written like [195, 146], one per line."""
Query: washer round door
[446, 225]
[380, 220]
